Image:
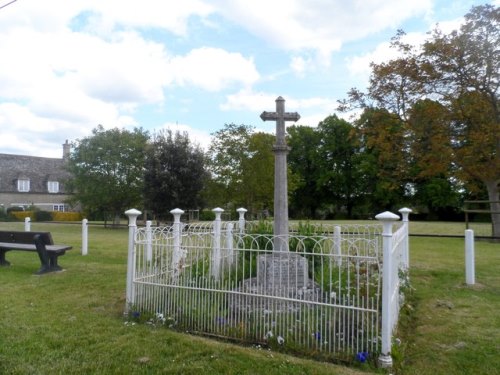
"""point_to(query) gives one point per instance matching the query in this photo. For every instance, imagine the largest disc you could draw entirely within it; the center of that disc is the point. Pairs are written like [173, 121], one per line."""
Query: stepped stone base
[281, 285]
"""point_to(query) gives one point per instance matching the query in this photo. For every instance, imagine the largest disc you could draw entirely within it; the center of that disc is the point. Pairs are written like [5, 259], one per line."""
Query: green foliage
[42, 215]
[242, 166]
[207, 215]
[107, 170]
[305, 165]
[14, 209]
[174, 174]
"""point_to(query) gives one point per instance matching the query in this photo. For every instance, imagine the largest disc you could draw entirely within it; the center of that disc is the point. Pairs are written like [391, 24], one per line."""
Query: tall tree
[175, 173]
[431, 158]
[340, 181]
[257, 186]
[241, 162]
[383, 164]
[461, 71]
[227, 152]
[304, 162]
[107, 170]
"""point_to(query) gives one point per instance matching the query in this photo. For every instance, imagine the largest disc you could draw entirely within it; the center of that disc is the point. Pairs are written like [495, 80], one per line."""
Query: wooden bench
[40, 242]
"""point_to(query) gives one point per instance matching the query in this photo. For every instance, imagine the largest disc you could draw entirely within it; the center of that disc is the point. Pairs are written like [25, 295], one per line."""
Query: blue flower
[317, 335]
[362, 357]
[136, 314]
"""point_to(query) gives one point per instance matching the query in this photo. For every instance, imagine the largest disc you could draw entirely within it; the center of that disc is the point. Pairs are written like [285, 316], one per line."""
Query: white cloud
[170, 15]
[319, 25]
[258, 101]
[213, 69]
[359, 66]
[196, 136]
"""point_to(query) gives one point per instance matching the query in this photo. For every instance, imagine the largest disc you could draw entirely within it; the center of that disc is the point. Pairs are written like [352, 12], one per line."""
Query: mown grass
[452, 328]
[72, 322]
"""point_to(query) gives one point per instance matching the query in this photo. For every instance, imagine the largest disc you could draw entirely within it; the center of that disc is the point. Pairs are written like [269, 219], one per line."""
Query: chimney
[66, 150]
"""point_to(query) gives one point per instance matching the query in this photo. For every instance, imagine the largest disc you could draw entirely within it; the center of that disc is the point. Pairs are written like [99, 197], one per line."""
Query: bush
[43, 216]
[207, 215]
[66, 216]
[20, 215]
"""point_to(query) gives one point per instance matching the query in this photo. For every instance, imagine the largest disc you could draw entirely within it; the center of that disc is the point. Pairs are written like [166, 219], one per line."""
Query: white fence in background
[336, 291]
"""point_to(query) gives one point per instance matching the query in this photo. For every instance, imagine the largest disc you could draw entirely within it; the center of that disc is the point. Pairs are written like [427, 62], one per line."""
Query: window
[58, 207]
[23, 185]
[53, 186]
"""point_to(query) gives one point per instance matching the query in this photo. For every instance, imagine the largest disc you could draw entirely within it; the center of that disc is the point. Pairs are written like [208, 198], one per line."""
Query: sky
[190, 65]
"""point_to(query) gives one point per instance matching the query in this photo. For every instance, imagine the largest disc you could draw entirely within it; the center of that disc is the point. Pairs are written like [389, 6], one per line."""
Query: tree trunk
[494, 197]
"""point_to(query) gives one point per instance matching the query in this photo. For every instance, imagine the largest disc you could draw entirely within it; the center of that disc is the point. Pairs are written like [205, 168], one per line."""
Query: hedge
[56, 215]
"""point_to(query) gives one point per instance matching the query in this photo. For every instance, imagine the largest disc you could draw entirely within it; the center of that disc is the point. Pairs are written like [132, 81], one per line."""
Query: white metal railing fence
[324, 295]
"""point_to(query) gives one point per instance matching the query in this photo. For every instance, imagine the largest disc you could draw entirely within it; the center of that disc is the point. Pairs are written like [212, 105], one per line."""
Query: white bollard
[241, 221]
[85, 237]
[470, 277]
[177, 253]
[27, 224]
[132, 227]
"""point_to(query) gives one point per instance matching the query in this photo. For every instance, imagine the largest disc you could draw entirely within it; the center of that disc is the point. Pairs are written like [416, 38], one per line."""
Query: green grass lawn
[72, 322]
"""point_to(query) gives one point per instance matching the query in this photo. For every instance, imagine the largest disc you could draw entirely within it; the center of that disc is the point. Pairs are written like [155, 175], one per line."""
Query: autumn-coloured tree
[460, 71]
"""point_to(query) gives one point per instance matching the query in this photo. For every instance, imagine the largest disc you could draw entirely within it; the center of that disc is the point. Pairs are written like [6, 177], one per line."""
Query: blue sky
[190, 65]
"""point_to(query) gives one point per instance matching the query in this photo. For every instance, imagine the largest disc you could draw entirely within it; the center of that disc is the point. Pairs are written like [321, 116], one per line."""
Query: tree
[175, 173]
[383, 164]
[227, 152]
[107, 170]
[340, 181]
[242, 166]
[463, 69]
[431, 158]
[304, 162]
[460, 70]
[257, 185]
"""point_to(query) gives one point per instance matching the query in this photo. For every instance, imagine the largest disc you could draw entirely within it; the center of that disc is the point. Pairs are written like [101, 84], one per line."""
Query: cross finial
[280, 116]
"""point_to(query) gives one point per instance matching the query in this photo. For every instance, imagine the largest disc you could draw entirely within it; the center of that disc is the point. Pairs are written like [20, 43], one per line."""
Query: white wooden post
[216, 253]
[149, 241]
[132, 227]
[27, 224]
[470, 272]
[241, 221]
[388, 219]
[85, 237]
[405, 213]
[177, 251]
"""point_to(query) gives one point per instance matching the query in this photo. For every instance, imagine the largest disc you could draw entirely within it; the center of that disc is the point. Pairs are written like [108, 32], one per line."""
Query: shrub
[66, 216]
[42, 216]
[21, 215]
[207, 215]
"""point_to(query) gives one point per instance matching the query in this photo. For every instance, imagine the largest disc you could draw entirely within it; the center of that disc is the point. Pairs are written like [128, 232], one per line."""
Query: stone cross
[280, 173]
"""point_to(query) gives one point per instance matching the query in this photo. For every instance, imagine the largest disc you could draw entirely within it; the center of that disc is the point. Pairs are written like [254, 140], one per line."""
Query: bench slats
[28, 247]
[39, 242]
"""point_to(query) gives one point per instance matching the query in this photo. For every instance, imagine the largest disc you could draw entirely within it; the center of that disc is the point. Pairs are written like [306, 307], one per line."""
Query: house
[27, 181]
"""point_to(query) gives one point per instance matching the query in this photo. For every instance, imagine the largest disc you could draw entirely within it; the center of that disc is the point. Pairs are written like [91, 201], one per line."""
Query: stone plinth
[282, 271]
